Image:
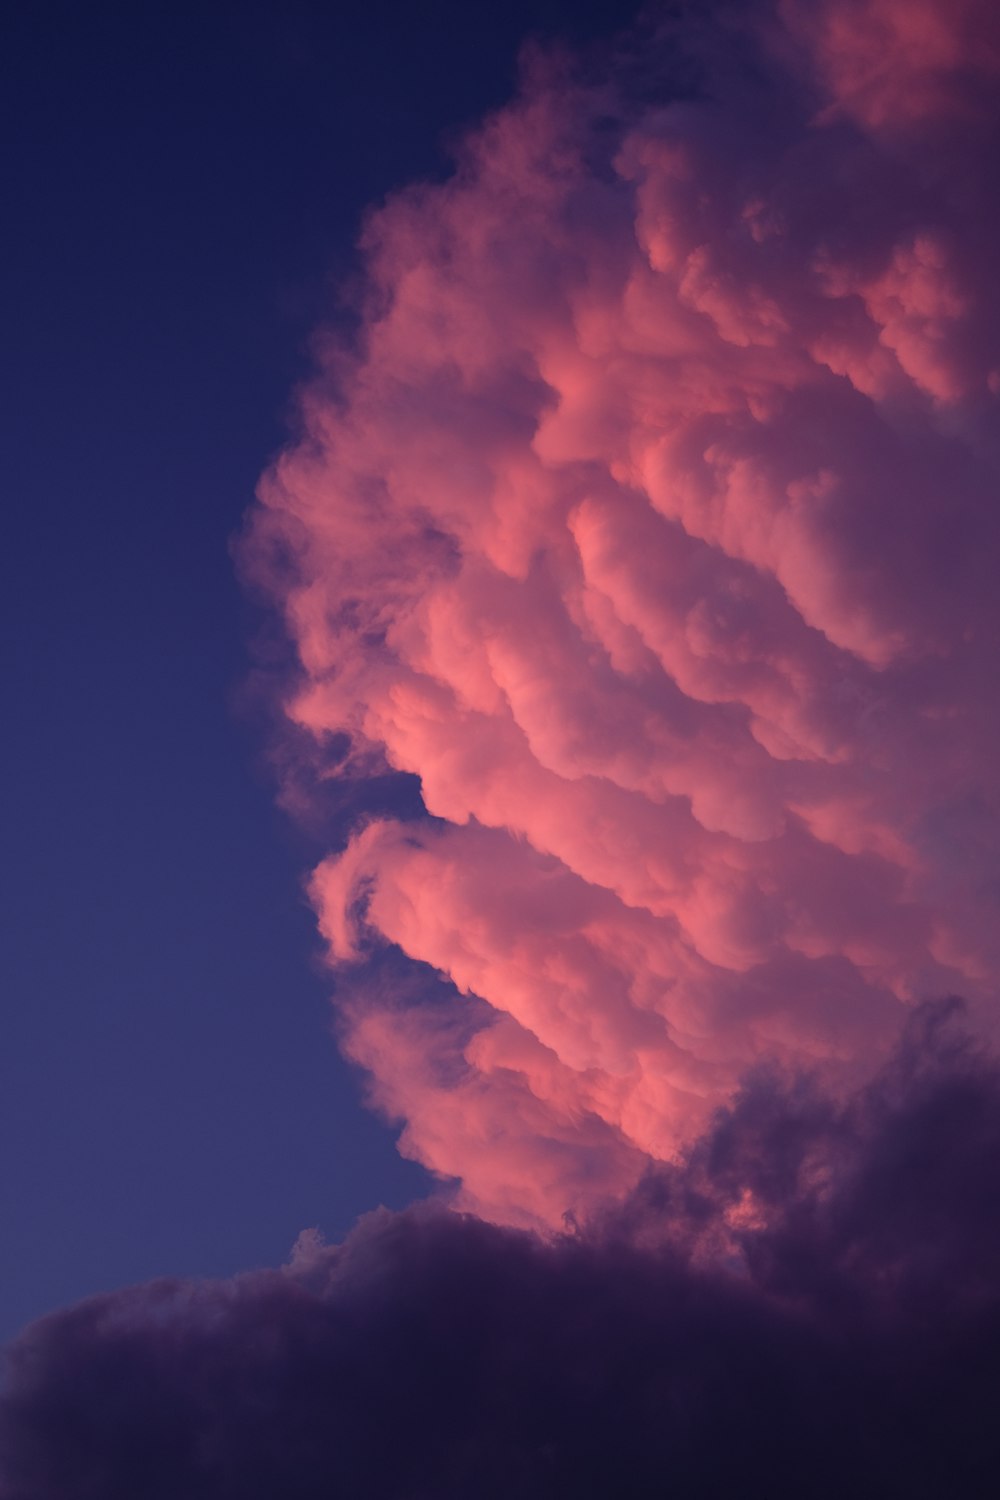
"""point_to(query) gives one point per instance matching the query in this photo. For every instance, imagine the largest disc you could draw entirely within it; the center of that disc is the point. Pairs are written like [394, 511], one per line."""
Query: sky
[597, 699]
[184, 187]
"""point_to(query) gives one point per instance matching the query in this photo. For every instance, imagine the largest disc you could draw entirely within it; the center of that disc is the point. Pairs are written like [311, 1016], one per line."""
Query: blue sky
[184, 188]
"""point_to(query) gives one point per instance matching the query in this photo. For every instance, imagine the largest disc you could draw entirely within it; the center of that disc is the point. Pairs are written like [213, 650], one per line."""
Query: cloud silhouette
[808, 1304]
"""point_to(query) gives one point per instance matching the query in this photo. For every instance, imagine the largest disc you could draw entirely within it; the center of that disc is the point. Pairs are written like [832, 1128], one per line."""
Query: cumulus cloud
[808, 1304]
[651, 523]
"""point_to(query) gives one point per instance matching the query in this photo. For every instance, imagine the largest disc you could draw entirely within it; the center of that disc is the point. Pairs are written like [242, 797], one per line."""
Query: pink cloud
[652, 524]
[895, 65]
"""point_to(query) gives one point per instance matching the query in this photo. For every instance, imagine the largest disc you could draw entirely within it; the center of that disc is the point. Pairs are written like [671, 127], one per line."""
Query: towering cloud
[652, 523]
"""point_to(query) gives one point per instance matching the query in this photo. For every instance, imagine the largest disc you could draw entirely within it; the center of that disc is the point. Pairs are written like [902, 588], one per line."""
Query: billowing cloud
[808, 1305]
[652, 523]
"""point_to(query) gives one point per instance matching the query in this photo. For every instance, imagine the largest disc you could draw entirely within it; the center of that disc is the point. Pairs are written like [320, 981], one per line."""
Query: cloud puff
[808, 1304]
[652, 524]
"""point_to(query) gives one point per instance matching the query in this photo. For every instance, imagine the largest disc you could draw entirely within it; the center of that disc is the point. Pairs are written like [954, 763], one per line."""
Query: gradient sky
[183, 183]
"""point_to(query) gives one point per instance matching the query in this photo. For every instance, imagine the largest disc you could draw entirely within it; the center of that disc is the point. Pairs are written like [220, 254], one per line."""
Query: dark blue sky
[183, 185]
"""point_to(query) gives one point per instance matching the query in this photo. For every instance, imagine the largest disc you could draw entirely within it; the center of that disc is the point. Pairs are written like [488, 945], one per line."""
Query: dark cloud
[809, 1306]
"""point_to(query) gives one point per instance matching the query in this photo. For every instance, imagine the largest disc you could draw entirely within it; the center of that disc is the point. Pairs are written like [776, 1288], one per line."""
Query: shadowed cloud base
[809, 1306]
